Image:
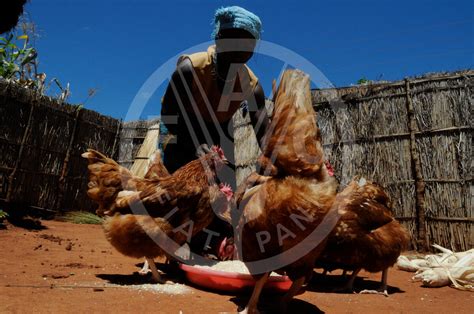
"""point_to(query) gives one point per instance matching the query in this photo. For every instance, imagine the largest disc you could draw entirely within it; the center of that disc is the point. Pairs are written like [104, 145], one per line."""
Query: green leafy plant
[362, 81]
[81, 217]
[3, 215]
[18, 60]
[19, 63]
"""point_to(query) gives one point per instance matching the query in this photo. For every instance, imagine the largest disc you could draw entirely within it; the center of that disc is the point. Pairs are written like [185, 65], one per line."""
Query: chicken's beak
[229, 164]
[225, 160]
[225, 215]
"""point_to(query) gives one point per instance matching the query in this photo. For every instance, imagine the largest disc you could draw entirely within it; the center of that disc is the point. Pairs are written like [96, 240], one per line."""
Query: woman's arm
[170, 105]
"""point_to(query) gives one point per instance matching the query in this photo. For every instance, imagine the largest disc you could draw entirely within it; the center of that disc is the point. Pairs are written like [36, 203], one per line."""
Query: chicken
[106, 179]
[144, 215]
[220, 246]
[156, 169]
[367, 236]
[270, 227]
[287, 216]
[292, 144]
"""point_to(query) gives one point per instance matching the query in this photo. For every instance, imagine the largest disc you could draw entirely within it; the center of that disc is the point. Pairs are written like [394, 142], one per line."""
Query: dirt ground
[72, 268]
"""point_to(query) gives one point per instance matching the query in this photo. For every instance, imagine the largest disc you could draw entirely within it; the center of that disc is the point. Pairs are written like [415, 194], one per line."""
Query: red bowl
[226, 281]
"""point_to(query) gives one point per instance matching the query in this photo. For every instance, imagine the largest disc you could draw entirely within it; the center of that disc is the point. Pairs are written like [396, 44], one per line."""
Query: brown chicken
[355, 228]
[292, 143]
[143, 213]
[280, 214]
[220, 247]
[106, 179]
[367, 236]
[156, 169]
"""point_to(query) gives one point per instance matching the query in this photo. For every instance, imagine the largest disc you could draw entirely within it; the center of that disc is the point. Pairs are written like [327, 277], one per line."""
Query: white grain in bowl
[231, 267]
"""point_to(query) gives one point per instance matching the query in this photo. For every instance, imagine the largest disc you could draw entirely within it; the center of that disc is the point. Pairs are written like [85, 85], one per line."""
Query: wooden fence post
[422, 240]
[62, 178]
[26, 133]
[146, 150]
[117, 139]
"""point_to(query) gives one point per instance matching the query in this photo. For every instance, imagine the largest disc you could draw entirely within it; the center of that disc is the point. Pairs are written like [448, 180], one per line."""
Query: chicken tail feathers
[106, 179]
[368, 201]
[293, 141]
[156, 169]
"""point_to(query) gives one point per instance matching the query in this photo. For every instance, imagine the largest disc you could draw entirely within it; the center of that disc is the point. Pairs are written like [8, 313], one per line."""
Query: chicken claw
[155, 275]
[145, 269]
[383, 288]
[380, 291]
[246, 311]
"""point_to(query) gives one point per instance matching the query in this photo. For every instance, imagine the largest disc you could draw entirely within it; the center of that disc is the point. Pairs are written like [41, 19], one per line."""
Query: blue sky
[116, 45]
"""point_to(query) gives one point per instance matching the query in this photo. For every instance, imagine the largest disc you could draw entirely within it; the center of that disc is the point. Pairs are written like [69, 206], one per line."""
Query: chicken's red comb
[218, 150]
[226, 189]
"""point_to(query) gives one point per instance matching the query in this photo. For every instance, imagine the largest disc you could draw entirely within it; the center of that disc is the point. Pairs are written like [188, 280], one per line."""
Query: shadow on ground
[331, 284]
[268, 304]
[28, 223]
[169, 271]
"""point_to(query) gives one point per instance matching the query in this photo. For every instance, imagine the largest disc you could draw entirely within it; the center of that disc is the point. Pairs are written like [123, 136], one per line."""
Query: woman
[205, 91]
[207, 88]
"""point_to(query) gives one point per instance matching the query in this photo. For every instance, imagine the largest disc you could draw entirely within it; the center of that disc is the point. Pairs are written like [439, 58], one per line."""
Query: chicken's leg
[155, 275]
[383, 287]
[294, 289]
[251, 307]
[349, 286]
[145, 269]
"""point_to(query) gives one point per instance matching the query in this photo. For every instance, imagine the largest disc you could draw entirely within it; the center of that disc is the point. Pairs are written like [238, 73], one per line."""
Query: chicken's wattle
[227, 190]
[226, 249]
[329, 168]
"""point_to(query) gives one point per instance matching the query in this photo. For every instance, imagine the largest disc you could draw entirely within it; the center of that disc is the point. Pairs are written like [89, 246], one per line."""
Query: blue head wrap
[237, 17]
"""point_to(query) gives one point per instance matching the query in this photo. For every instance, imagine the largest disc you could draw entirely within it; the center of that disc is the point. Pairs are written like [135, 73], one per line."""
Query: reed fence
[41, 141]
[414, 137]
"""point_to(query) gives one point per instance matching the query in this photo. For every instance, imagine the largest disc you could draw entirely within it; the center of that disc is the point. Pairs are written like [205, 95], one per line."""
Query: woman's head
[236, 32]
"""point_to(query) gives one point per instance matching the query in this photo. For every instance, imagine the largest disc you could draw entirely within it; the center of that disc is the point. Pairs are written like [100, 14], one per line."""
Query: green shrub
[81, 217]
[3, 215]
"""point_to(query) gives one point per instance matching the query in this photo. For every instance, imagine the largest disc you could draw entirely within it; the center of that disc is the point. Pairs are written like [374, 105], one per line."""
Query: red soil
[68, 267]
